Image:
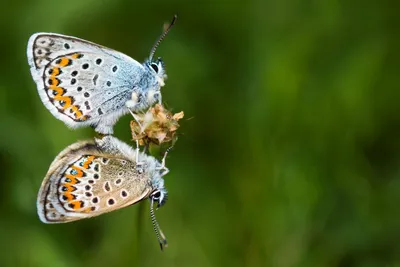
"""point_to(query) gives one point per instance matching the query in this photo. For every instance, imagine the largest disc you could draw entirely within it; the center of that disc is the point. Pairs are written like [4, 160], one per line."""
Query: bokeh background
[289, 153]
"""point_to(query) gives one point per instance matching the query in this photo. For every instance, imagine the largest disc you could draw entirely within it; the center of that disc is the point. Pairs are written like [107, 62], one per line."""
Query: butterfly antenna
[162, 36]
[160, 236]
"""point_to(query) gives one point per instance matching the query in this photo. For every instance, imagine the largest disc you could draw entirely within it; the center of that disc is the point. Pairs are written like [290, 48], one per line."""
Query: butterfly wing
[86, 180]
[80, 82]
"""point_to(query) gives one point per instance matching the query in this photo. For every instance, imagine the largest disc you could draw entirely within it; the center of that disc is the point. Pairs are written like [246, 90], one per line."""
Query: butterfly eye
[154, 67]
[156, 195]
[160, 197]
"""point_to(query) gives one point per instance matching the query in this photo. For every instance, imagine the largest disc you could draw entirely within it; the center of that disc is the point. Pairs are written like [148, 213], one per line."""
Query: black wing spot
[98, 61]
[115, 68]
[95, 79]
[87, 105]
[107, 187]
[85, 66]
[67, 46]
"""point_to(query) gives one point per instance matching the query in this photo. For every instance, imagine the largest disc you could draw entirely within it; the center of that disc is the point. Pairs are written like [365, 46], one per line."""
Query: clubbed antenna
[162, 36]
[160, 236]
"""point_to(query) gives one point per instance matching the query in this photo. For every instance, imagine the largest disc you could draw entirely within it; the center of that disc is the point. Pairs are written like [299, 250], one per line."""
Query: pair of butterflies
[85, 84]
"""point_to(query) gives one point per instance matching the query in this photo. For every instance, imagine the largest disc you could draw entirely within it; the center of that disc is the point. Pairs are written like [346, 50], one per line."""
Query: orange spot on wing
[53, 81]
[59, 90]
[87, 210]
[69, 196]
[70, 188]
[80, 172]
[72, 178]
[77, 204]
[77, 112]
[66, 99]
[63, 62]
[55, 72]
[76, 55]
[88, 162]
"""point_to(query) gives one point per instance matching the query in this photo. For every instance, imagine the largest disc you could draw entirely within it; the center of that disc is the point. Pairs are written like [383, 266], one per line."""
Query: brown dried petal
[158, 126]
[178, 116]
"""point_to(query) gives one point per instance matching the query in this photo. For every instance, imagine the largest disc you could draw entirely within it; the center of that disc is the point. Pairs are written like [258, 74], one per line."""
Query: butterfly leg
[162, 167]
[138, 163]
[132, 105]
[137, 120]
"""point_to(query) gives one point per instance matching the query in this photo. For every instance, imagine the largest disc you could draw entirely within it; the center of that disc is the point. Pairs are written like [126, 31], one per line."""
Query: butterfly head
[157, 68]
[159, 194]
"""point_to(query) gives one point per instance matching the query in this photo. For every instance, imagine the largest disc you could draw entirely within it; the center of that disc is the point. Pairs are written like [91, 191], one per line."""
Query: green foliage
[290, 158]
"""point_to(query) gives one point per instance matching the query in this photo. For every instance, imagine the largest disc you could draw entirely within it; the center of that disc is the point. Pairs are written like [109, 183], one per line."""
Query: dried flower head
[157, 126]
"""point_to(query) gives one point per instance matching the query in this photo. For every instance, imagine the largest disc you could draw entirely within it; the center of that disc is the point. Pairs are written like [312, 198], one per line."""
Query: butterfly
[90, 178]
[85, 84]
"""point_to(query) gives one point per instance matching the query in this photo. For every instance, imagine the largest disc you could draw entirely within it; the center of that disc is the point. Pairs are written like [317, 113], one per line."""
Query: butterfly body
[90, 178]
[84, 84]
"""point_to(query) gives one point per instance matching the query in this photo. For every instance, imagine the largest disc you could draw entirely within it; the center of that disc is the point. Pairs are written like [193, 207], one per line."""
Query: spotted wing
[86, 181]
[79, 81]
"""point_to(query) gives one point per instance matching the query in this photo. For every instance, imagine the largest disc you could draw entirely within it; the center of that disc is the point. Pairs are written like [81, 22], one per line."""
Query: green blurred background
[290, 146]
